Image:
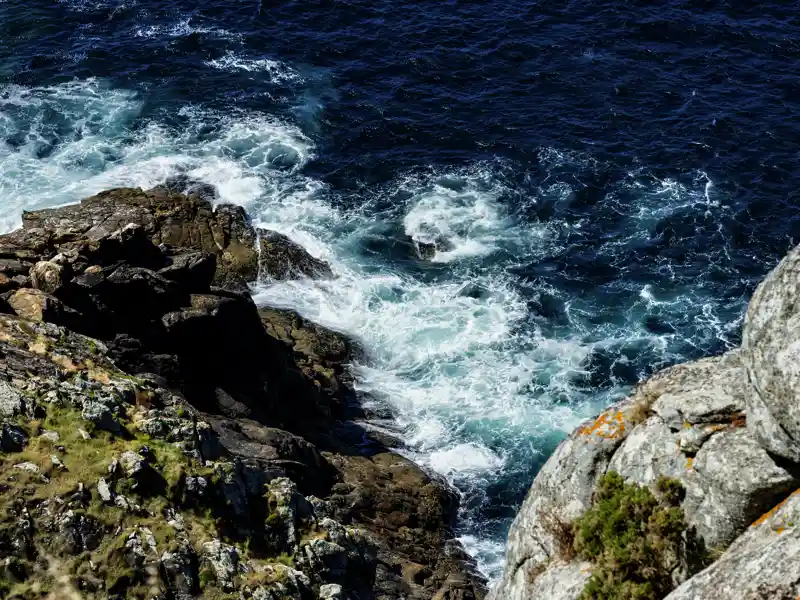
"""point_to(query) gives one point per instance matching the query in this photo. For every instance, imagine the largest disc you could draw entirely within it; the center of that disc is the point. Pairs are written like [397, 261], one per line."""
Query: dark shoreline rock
[218, 437]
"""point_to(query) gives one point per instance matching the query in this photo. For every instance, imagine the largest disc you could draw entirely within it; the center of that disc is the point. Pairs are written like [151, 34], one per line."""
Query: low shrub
[636, 539]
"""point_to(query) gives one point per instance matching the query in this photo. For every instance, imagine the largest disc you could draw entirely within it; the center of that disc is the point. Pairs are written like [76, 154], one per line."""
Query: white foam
[182, 28]
[463, 459]
[276, 71]
[470, 376]
[462, 213]
[98, 142]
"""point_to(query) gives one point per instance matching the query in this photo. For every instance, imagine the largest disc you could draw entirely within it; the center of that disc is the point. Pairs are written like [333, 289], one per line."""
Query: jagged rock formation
[163, 438]
[727, 428]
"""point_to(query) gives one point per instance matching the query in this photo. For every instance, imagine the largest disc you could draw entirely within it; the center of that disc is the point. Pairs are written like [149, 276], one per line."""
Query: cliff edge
[726, 431]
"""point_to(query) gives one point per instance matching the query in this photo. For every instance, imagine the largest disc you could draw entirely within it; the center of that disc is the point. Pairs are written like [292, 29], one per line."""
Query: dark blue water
[608, 181]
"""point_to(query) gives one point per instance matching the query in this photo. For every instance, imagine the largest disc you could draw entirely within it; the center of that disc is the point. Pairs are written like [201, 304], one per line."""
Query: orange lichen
[610, 425]
[773, 510]
[689, 462]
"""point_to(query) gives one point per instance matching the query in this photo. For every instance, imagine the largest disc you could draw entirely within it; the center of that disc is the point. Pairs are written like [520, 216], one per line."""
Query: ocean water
[606, 182]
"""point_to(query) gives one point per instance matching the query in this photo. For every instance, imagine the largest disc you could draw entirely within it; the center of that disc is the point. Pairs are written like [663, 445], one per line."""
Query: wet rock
[771, 356]
[280, 258]
[427, 250]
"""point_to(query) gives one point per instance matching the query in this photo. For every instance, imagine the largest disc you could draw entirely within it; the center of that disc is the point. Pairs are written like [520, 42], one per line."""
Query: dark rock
[7, 284]
[194, 271]
[427, 250]
[12, 437]
[277, 453]
[281, 258]
[79, 532]
[36, 305]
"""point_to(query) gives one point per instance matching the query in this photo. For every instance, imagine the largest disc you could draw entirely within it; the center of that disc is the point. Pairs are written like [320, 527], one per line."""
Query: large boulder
[686, 423]
[762, 564]
[771, 356]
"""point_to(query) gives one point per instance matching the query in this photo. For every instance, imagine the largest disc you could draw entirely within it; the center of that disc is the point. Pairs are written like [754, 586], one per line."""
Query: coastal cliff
[164, 437]
[724, 433]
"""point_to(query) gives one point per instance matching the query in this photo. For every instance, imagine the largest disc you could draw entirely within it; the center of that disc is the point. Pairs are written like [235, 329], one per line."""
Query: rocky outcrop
[762, 564]
[727, 428]
[161, 437]
[771, 354]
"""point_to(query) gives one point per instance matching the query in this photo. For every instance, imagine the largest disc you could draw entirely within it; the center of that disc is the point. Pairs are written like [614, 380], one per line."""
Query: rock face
[771, 353]
[727, 428]
[163, 438]
[763, 563]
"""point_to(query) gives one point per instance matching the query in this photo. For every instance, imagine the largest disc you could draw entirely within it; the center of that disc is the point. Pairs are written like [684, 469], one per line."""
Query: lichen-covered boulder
[561, 492]
[762, 564]
[686, 423]
[771, 356]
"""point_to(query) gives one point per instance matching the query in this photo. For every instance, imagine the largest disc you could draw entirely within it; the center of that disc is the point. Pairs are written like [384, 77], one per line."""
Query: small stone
[27, 466]
[32, 468]
[104, 490]
[84, 434]
[175, 520]
[331, 591]
[48, 276]
[57, 464]
[125, 504]
[50, 436]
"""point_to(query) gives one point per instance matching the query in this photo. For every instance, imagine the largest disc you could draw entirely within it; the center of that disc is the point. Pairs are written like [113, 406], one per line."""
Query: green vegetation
[635, 539]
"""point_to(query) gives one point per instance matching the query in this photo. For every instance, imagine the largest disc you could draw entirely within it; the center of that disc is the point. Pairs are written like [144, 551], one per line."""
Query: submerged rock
[280, 258]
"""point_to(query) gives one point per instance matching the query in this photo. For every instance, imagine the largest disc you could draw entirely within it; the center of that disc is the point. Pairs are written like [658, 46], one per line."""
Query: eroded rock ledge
[162, 437]
[728, 428]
